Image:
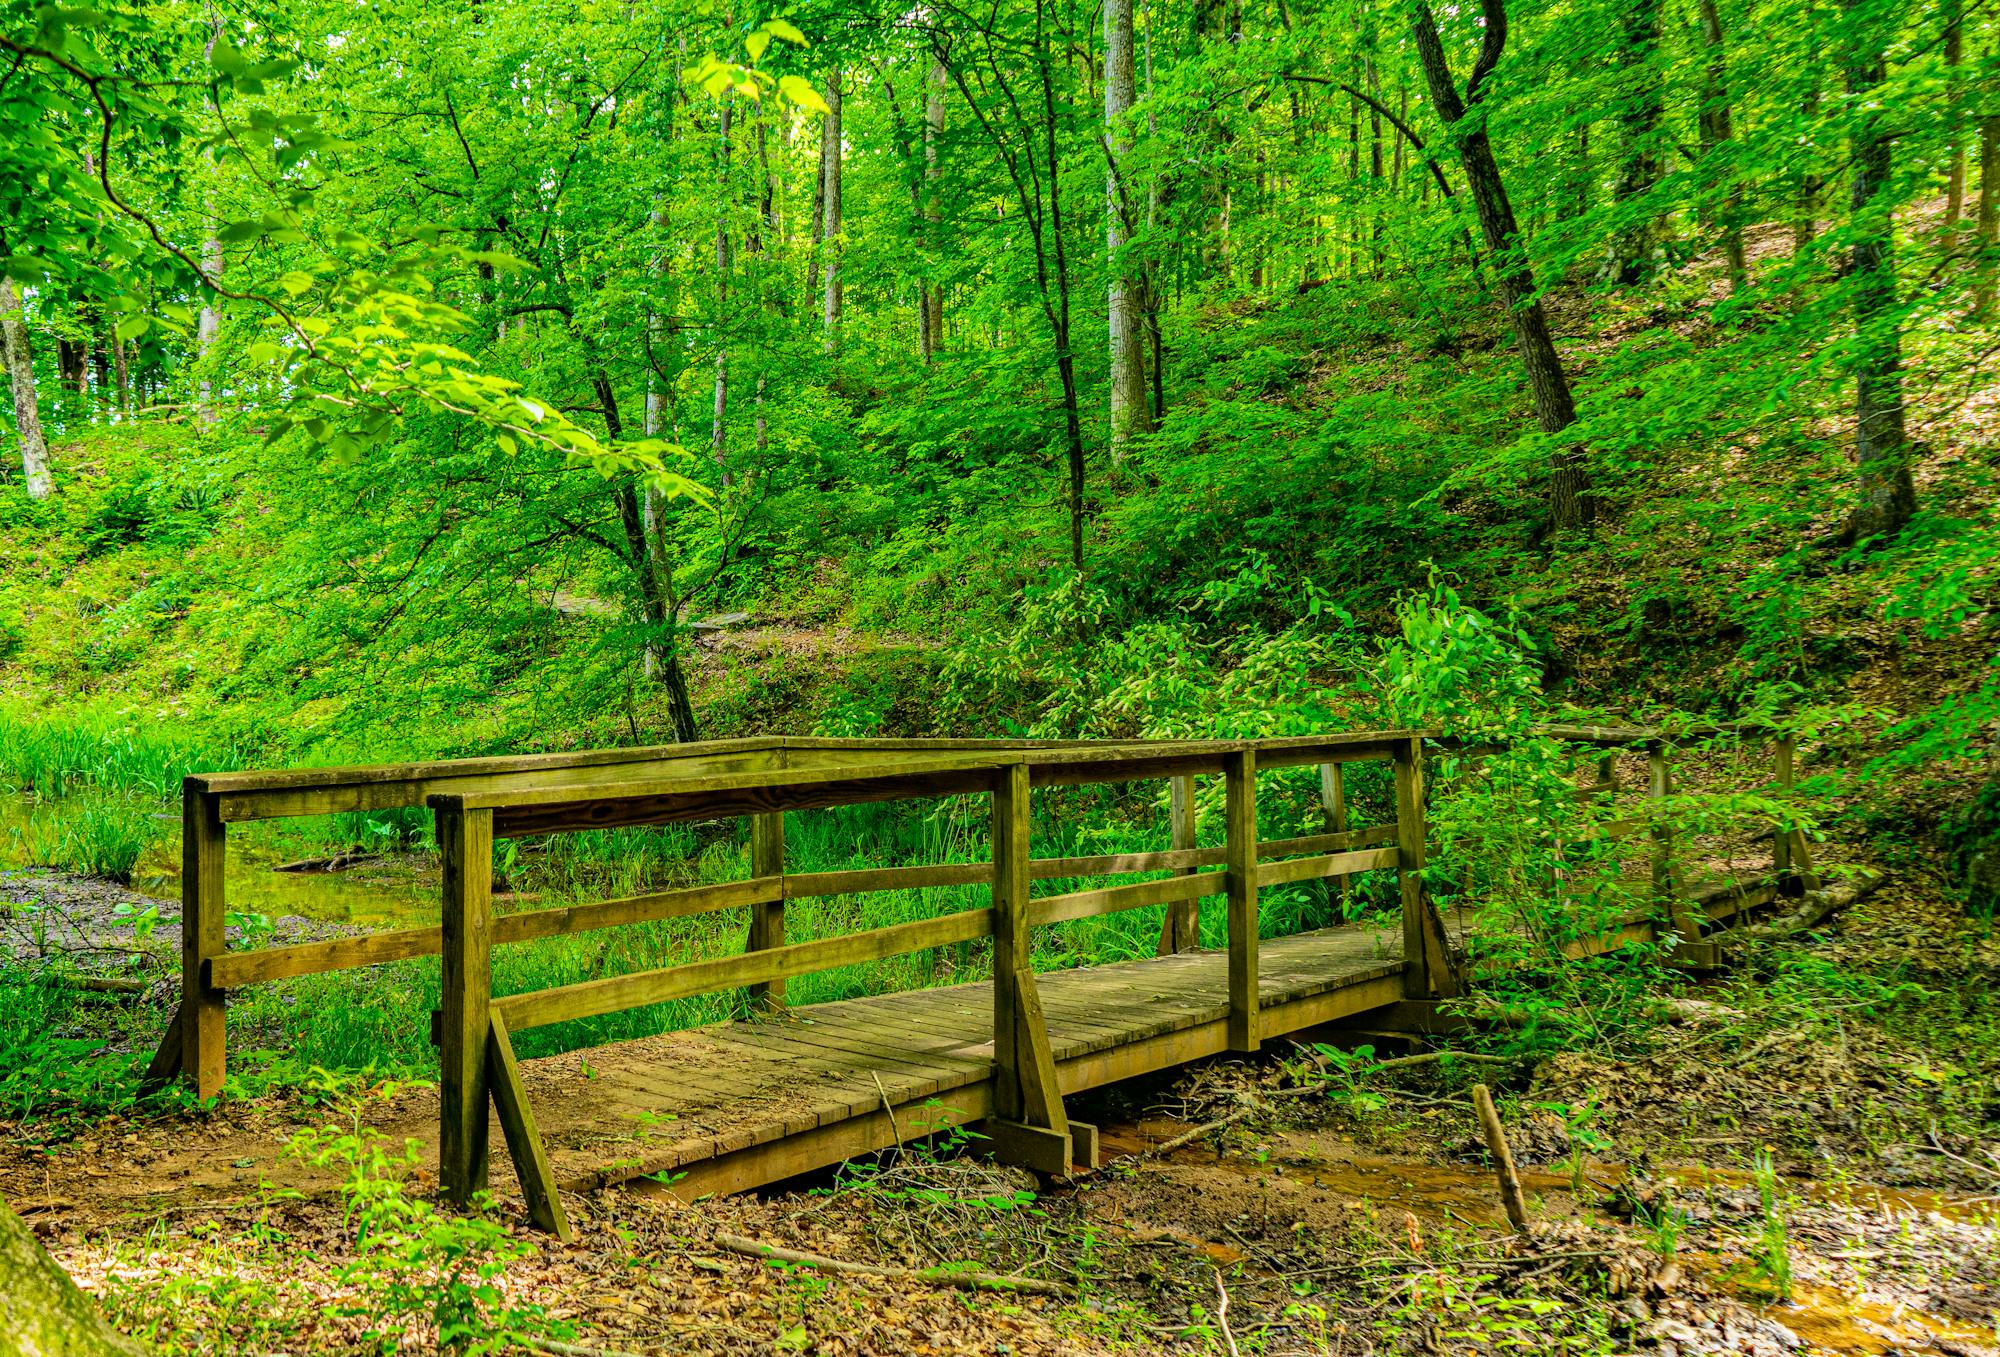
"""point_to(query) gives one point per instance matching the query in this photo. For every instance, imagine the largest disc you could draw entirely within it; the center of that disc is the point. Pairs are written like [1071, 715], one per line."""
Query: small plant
[255, 930]
[143, 921]
[1774, 1251]
[1347, 1070]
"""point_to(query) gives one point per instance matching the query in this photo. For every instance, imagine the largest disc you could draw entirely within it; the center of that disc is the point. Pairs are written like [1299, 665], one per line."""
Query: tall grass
[50, 759]
[96, 833]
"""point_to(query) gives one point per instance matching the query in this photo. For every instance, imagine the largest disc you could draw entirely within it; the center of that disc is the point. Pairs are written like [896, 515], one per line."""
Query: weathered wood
[1055, 909]
[1666, 895]
[1239, 780]
[524, 1140]
[1333, 801]
[329, 791]
[681, 903]
[1013, 945]
[1180, 926]
[767, 919]
[815, 885]
[204, 843]
[165, 1066]
[465, 842]
[1410, 835]
[1327, 864]
[1503, 1159]
[1083, 1140]
[1791, 855]
[613, 994]
[1041, 1096]
[1032, 1147]
[233, 970]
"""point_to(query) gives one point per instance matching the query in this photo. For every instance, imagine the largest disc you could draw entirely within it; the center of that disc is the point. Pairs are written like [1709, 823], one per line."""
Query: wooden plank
[1410, 834]
[767, 918]
[1666, 896]
[1041, 1098]
[327, 791]
[1033, 1147]
[1180, 927]
[1333, 801]
[612, 994]
[680, 903]
[814, 885]
[233, 970]
[524, 1140]
[165, 1066]
[1327, 864]
[1117, 864]
[465, 842]
[1239, 779]
[1013, 944]
[1055, 909]
[204, 843]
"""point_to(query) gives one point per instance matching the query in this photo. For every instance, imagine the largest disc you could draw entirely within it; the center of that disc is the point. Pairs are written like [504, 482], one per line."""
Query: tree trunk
[1954, 170]
[933, 293]
[719, 428]
[1989, 213]
[1806, 191]
[1129, 414]
[1716, 129]
[830, 305]
[41, 1309]
[1632, 245]
[21, 377]
[1881, 444]
[1570, 502]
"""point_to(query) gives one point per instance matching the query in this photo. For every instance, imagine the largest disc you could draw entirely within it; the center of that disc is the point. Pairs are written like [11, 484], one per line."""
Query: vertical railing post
[767, 919]
[1791, 859]
[1410, 834]
[1180, 930]
[1012, 938]
[1239, 781]
[1666, 895]
[465, 842]
[1333, 800]
[204, 843]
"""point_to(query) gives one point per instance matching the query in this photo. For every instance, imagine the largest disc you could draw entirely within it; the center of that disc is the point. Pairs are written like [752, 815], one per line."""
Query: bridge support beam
[1239, 785]
[204, 842]
[1428, 969]
[767, 920]
[1180, 929]
[1028, 1125]
[465, 841]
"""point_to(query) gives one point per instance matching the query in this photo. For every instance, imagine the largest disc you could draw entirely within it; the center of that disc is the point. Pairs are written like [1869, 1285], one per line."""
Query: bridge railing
[1030, 1124]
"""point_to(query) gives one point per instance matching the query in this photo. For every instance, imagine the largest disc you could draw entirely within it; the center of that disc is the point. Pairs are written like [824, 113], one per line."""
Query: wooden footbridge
[783, 1090]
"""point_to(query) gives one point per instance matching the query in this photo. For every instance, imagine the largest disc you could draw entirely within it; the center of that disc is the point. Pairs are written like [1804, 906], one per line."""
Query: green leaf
[296, 282]
[779, 28]
[756, 43]
[800, 91]
[131, 328]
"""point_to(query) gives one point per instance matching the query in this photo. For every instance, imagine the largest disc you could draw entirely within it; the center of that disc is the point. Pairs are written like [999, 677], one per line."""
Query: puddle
[396, 891]
[1830, 1319]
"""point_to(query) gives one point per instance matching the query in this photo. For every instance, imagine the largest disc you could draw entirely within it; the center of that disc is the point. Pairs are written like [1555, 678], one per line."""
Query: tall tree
[1639, 116]
[1717, 131]
[1130, 414]
[21, 378]
[830, 200]
[931, 291]
[1887, 494]
[1464, 118]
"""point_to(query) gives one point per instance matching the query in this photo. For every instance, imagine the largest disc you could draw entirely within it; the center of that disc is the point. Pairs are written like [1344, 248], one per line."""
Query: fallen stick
[1187, 1137]
[562, 1349]
[1503, 1159]
[1814, 910]
[967, 1281]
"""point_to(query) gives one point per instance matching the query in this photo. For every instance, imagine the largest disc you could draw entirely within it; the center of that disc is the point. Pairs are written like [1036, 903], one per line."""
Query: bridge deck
[737, 1105]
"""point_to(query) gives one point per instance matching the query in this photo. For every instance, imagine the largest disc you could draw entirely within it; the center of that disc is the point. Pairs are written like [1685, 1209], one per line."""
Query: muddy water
[1856, 1319]
[395, 891]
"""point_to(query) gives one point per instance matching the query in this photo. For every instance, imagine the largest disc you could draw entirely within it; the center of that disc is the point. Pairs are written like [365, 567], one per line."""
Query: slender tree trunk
[830, 305]
[719, 427]
[1989, 213]
[1888, 497]
[121, 369]
[1129, 415]
[1632, 245]
[1570, 502]
[1717, 129]
[21, 378]
[933, 291]
[1806, 190]
[1954, 170]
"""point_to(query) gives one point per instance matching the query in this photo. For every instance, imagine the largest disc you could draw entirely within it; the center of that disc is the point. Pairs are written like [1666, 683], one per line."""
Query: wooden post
[1791, 859]
[465, 839]
[1333, 800]
[767, 920]
[1410, 832]
[204, 843]
[1659, 786]
[1012, 938]
[1180, 929]
[1239, 781]
[524, 1138]
[1028, 1125]
[1607, 777]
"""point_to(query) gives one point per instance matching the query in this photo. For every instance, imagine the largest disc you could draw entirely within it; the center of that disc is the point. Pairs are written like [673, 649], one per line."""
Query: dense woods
[407, 381]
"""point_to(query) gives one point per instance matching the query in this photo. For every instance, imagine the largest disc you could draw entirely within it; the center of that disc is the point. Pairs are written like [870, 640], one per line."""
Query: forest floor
[1814, 1123]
